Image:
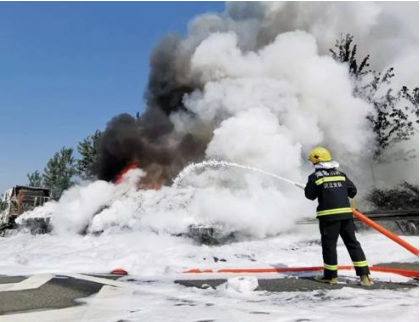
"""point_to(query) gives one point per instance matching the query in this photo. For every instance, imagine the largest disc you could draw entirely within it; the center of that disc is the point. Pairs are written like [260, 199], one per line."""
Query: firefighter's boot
[323, 279]
[365, 280]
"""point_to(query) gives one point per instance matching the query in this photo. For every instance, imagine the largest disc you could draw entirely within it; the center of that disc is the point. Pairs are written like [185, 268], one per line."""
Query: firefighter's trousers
[330, 230]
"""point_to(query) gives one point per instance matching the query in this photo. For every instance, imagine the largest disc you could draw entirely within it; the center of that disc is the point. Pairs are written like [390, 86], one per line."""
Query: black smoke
[167, 80]
[149, 140]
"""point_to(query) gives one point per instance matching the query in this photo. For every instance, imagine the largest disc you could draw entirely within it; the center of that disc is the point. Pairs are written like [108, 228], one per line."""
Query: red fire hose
[398, 271]
[386, 232]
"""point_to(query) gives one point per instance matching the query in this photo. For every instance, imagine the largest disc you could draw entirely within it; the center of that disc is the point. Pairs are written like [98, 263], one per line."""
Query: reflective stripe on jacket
[332, 188]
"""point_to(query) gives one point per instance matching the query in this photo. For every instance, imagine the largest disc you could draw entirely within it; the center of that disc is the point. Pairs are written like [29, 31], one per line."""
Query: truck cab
[19, 199]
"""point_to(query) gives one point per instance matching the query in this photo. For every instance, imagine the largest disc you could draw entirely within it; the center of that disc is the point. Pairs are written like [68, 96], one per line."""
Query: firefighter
[333, 189]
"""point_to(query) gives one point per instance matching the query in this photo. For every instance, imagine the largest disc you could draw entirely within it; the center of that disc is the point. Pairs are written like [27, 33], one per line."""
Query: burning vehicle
[201, 233]
[19, 199]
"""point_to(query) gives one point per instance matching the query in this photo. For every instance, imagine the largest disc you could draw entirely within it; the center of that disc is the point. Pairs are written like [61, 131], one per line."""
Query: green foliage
[345, 53]
[61, 169]
[403, 196]
[390, 122]
[59, 172]
[395, 113]
[34, 179]
[88, 151]
[413, 98]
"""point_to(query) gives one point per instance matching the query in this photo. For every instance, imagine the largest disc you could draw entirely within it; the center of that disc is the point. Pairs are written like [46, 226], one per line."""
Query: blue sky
[67, 67]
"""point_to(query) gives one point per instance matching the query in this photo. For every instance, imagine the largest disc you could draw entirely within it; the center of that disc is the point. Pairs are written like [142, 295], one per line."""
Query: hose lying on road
[402, 272]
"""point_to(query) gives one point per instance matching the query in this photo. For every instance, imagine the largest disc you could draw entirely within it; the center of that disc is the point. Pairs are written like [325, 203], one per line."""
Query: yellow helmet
[319, 154]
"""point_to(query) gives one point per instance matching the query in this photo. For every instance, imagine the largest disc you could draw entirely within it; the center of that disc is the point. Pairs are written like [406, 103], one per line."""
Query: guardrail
[410, 214]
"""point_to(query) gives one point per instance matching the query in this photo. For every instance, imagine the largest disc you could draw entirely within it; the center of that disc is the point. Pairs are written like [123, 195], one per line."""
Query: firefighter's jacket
[333, 189]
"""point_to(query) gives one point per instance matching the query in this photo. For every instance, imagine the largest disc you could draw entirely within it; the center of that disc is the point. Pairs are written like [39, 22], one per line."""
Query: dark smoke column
[150, 140]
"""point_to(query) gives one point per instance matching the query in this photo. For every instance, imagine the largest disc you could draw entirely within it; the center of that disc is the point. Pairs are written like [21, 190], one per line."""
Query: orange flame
[120, 176]
[150, 181]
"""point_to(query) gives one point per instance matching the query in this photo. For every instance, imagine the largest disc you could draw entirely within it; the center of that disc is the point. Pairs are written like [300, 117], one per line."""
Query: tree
[59, 172]
[35, 179]
[347, 54]
[88, 150]
[394, 113]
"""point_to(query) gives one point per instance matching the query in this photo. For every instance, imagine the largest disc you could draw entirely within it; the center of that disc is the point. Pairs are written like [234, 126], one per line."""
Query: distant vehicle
[17, 200]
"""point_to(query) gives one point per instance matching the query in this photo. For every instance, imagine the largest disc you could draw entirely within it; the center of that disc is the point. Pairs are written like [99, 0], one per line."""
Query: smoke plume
[256, 85]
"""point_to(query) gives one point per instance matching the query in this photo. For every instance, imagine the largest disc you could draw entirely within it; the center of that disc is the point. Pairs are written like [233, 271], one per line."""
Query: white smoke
[386, 30]
[268, 108]
[245, 207]
[274, 57]
[77, 207]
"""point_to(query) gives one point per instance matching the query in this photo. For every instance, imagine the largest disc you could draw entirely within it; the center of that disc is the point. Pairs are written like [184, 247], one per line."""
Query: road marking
[70, 314]
[107, 304]
[5, 287]
[30, 283]
[103, 281]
